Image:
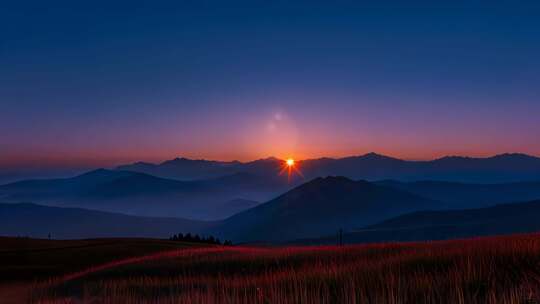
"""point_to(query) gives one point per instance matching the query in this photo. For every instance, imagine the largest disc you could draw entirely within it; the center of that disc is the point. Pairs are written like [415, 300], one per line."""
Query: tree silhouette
[195, 238]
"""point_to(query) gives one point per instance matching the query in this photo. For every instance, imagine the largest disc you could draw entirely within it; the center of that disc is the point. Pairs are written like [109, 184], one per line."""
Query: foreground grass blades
[488, 270]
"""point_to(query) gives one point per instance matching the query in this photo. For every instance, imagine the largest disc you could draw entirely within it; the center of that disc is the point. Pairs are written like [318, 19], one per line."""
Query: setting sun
[290, 167]
[290, 162]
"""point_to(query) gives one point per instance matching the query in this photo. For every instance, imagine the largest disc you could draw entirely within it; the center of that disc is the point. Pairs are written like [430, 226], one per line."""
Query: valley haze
[256, 202]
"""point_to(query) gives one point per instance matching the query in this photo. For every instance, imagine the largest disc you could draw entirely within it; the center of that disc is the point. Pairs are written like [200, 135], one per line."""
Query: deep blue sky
[105, 83]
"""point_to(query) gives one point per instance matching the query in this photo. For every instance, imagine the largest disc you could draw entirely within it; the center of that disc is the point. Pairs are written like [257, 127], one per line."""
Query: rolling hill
[319, 207]
[143, 194]
[38, 221]
[448, 224]
[461, 195]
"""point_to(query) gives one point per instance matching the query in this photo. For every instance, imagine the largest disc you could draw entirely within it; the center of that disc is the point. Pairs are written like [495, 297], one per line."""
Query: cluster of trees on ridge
[188, 237]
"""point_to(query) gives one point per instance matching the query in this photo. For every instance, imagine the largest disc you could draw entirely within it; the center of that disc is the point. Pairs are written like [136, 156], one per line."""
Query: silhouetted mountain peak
[330, 185]
[372, 156]
[177, 160]
[328, 180]
[99, 171]
[453, 157]
[183, 161]
[504, 156]
[320, 206]
[141, 163]
[270, 159]
[375, 155]
[515, 156]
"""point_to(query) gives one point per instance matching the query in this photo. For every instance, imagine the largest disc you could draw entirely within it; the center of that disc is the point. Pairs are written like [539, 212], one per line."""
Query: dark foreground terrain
[24, 261]
[486, 270]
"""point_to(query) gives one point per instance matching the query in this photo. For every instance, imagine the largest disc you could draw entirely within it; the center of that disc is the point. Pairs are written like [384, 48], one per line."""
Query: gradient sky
[101, 83]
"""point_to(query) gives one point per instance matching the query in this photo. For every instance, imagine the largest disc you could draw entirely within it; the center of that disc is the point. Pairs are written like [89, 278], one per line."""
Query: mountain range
[366, 211]
[319, 207]
[313, 209]
[330, 194]
[501, 168]
[200, 169]
[142, 194]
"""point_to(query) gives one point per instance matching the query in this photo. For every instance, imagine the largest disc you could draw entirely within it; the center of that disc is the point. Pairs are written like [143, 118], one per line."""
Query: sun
[291, 168]
[290, 162]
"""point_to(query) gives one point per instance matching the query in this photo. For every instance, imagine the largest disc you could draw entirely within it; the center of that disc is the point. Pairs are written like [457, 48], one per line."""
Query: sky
[102, 83]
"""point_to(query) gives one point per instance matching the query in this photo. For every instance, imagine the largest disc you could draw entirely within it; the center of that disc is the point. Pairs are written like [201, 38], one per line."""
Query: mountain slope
[38, 221]
[440, 225]
[184, 169]
[318, 207]
[143, 194]
[97, 182]
[461, 195]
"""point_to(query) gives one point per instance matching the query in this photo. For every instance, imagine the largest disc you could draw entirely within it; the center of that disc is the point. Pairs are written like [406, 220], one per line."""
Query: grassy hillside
[488, 270]
[24, 259]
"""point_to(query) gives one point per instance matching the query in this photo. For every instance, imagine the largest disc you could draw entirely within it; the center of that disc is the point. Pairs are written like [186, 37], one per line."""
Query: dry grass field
[24, 261]
[486, 270]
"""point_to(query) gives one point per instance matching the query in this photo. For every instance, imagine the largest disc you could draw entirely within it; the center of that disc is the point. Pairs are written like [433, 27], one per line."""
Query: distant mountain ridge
[355, 194]
[143, 194]
[501, 168]
[389, 210]
[508, 167]
[184, 169]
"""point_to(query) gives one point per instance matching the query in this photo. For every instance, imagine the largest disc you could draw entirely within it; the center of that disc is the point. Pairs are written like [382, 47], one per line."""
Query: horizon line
[89, 163]
[333, 158]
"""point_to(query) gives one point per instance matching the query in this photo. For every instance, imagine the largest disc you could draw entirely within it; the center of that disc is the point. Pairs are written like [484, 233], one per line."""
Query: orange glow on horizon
[290, 162]
[291, 167]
